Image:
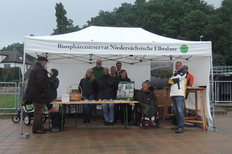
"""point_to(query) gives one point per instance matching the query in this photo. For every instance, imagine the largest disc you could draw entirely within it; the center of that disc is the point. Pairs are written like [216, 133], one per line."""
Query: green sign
[184, 48]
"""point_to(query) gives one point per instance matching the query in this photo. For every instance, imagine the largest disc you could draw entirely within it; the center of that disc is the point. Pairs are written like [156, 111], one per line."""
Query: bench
[54, 109]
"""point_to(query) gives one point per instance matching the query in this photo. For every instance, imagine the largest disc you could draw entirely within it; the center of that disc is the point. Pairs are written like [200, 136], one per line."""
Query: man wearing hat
[38, 91]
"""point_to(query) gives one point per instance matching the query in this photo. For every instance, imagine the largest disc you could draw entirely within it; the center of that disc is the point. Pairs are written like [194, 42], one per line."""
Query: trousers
[178, 104]
[37, 119]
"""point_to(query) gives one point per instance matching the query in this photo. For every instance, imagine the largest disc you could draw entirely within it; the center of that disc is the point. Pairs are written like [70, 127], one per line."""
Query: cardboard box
[160, 95]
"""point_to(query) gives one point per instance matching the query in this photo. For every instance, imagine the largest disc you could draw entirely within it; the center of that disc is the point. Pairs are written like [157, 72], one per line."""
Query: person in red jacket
[189, 81]
[190, 77]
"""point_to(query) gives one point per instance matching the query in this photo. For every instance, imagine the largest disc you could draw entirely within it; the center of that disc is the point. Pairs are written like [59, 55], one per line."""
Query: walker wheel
[27, 119]
[44, 118]
[16, 118]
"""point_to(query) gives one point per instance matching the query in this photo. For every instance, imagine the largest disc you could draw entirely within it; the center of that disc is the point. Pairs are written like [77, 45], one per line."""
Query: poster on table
[125, 89]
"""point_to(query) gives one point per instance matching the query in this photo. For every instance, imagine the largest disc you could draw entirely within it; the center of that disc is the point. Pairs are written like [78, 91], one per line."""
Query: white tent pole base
[24, 135]
[212, 129]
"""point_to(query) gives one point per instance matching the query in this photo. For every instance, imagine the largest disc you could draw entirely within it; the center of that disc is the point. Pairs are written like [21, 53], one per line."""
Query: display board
[125, 89]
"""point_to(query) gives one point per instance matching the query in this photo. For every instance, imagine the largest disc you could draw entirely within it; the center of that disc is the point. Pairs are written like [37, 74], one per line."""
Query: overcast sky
[21, 18]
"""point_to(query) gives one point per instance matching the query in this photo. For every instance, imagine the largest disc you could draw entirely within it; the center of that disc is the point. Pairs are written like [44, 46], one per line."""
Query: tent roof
[113, 43]
[110, 35]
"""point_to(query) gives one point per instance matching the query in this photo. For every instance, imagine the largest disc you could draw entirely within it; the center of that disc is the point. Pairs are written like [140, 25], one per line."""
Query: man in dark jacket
[38, 91]
[116, 106]
[106, 85]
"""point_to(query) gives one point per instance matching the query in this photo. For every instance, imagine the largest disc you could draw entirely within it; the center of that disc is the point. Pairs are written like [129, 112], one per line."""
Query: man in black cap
[38, 91]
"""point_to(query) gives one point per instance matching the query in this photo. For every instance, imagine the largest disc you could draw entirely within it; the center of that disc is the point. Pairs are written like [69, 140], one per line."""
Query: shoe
[111, 123]
[146, 123]
[179, 130]
[45, 129]
[174, 128]
[39, 132]
[115, 121]
[130, 123]
[94, 118]
[88, 121]
[106, 123]
[174, 122]
[153, 123]
[84, 122]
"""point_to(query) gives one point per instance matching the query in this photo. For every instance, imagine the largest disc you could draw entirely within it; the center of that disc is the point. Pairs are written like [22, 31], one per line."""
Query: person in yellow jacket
[177, 94]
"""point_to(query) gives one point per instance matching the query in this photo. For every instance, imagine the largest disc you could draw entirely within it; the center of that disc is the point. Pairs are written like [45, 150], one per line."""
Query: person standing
[190, 77]
[107, 91]
[89, 88]
[116, 106]
[113, 72]
[97, 72]
[177, 94]
[54, 82]
[119, 67]
[39, 91]
[123, 77]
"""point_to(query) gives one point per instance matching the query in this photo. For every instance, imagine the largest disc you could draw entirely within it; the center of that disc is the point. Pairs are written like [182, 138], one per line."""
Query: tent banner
[151, 49]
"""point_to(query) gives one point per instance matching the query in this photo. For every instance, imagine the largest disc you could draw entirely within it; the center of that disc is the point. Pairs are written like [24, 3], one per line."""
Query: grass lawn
[8, 101]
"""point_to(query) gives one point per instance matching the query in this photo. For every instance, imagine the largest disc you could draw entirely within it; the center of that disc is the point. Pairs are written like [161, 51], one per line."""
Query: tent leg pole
[22, 134]
[212, 91]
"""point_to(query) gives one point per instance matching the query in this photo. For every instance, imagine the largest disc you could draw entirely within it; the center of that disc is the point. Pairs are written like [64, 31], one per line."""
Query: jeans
[108, 112]
[178, 104]
[87, 115]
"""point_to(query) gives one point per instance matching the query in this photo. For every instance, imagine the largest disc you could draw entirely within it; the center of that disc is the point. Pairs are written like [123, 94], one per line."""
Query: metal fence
[222, 70]
[222, 92]
[9, 96]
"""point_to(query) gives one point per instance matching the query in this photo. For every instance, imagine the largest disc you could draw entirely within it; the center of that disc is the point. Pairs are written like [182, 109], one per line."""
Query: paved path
[98, 138]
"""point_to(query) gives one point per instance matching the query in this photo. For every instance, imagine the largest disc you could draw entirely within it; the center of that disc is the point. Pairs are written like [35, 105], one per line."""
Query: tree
[139, 2]
[64, 25]
[193, 25]
[219, 31]
[181, 19]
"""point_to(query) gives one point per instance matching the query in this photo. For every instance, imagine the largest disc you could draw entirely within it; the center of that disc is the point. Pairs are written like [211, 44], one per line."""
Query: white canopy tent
[73, 53]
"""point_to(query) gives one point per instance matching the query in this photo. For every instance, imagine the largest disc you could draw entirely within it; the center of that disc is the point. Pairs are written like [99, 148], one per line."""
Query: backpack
[56, 123]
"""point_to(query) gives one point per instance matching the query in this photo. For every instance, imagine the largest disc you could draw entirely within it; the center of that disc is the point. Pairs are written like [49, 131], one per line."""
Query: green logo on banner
[184, 48]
